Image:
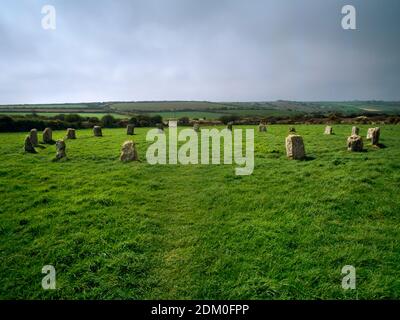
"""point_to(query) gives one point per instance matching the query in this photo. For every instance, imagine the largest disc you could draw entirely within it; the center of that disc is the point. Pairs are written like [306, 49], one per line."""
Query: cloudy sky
[217, 50]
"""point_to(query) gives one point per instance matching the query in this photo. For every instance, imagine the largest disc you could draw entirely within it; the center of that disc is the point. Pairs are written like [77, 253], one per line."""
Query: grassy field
[136, 231]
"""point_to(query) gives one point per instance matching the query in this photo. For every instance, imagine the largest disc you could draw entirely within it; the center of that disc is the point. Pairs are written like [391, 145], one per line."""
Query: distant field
[189, 114]
[52, 114]
[213, 110]
[167, 106]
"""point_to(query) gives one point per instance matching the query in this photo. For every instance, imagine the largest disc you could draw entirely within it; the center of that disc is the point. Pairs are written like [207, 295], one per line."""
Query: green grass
[136, 231]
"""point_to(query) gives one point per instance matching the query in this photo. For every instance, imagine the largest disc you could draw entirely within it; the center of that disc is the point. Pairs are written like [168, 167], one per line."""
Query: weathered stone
[295, 147]
[60, 149]
[130, 129]
[196, 127]
[97, 131]
[355, 131]
[355, 143]
[375, 136]
[262, 127]
[172, 124]
[128, 152]
[328, 130]
[34, 137]
[71, 133]
[28, 146]
[292, 130]
[369, 133]
[47, 135]
[230, 126]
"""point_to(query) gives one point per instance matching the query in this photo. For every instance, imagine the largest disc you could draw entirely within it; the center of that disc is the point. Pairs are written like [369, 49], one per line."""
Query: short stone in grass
[28, 145]
[375, 134]
[292, 130]
[33, 135]
[295, 147]
[129, 152]
[328, 130]
[230, 126]
[369, 133]
[262, 127]
[71, 133]
[355, 143]
[97, 131]
[60, 150]
[355, 131]
[47, 135]
[130, 129]
[196, 127]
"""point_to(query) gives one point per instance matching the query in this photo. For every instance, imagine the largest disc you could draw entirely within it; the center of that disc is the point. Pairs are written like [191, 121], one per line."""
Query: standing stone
[97, 131]
[71, 133]
[28, 146]
[60, 148]
[196, 127]
[47, 135]
[130, 129]
[295, 147]
[292, 130]
[375, 136]
[230, 126]
[355, 143]
[369, 133]
[160, 127]
[328, 130]
[355, 131]
[128, 152]
[34, 137]
[262, 127]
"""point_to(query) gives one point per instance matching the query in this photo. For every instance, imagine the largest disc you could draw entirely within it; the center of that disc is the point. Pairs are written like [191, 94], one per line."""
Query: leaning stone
[262, 127]
[128, 152]
[230, 126]
[196, 127]
[355, 143]
[295, 147]
[130, 129]
[328, 130]
[97, 131]
[34, 137]
[28, 145]
[60, 148]
[375, 136]
[71, 133]
[355, 131]
[47, 135]
[369, 133]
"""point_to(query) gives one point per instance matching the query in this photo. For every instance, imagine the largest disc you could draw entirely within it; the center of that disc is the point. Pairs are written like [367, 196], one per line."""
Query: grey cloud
[198, 50]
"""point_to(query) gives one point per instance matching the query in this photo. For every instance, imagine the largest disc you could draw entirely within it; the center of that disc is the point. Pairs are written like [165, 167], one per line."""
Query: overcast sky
[216, 50]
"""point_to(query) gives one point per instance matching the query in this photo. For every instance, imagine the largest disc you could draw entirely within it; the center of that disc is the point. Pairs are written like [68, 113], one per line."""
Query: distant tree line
[20, 123]
[63, 121]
